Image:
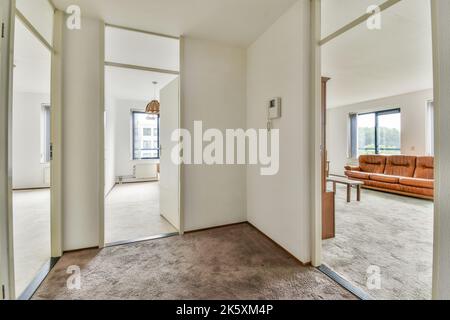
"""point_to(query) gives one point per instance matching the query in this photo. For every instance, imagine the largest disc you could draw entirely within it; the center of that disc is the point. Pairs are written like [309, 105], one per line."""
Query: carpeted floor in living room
[392, 233]
[235, 262]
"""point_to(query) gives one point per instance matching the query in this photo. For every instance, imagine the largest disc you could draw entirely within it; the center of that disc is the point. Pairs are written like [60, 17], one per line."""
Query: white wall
[124, 163]
[213, 90]
[278, 66]
[28, 171]
[81, 138]
[414, 125]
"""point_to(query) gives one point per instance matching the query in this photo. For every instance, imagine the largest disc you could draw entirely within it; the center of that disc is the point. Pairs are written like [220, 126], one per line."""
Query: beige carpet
[31, 212]
[132, 212]
[234, 262]
[391, 232]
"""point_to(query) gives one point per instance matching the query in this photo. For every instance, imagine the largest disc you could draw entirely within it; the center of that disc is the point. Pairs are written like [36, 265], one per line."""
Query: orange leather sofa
[405, 175]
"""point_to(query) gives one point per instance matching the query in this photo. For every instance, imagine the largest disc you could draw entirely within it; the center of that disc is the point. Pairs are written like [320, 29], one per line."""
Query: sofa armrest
[352, 168]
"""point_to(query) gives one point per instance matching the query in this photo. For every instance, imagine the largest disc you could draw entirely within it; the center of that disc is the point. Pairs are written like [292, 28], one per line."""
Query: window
[45, 134]
[147, 132]
[375, 133]
[145, 145]
[430, 128]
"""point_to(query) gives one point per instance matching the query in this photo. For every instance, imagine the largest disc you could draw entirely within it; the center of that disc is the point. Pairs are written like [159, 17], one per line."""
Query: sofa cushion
[403, 166]
[357, 175]
[417, 191]
[372, 164]
[384, 178]
[418, 183]
[400, 188]
[424, 168]
[383, 185]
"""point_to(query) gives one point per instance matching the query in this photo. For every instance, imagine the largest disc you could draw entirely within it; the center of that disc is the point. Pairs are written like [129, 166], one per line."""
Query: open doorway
[141, 114]
[379, 159]
[31, 129]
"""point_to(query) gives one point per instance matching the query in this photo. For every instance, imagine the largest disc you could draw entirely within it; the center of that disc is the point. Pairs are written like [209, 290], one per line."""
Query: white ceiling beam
[357, 22]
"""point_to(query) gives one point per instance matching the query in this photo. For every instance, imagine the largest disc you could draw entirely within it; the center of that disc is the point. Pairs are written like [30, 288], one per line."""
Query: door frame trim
[441, 62]
[316, 131]
[6, 249]
[56, 136]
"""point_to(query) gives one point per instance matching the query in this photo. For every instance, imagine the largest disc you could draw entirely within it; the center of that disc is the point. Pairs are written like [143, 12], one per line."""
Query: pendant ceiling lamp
[154, 106]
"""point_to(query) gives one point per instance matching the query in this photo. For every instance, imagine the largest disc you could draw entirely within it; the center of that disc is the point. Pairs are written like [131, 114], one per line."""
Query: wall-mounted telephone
[274, 111]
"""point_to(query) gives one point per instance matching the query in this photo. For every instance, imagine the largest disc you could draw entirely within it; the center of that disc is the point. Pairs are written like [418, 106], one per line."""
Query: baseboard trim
[259, 231]
[80, 250]
[38, 280]
[308, 264]
[215, 227]
[31, 189]
[359, 293]
[149, 180]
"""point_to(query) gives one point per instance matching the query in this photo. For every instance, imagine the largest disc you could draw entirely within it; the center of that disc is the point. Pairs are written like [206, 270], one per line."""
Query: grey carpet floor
[391, 232]
[234, 262]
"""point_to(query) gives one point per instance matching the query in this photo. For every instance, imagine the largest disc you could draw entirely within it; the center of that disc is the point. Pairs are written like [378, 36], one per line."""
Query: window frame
[377, 115]
[133, 146]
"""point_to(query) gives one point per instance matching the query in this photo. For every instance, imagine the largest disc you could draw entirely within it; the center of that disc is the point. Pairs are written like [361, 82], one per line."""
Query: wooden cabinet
[328, 198]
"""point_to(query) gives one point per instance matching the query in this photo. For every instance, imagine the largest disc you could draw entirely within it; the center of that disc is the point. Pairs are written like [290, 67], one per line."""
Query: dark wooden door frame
[328, 198]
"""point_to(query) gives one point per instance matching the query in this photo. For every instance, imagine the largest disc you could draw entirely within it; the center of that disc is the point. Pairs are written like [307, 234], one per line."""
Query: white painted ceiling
[128, 84]
[366, 65]
[32, 71]
[237, 22]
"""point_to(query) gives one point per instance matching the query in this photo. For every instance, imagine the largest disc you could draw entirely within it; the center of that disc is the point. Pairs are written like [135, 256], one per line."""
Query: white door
[170, 172]
[6, 40]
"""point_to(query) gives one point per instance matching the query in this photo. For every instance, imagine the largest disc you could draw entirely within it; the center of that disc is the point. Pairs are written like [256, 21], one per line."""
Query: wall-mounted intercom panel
[274, 112]
[275, 109]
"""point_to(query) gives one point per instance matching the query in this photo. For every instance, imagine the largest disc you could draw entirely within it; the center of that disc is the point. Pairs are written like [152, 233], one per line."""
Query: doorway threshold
[126, 242]
[359, 293]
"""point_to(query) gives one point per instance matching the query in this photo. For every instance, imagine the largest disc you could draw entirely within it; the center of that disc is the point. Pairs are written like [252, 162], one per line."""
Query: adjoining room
[141, 112]
[380, 148]
[31, 156]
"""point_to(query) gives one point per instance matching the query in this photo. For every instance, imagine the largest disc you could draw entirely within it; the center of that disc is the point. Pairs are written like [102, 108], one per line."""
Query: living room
[380, 140]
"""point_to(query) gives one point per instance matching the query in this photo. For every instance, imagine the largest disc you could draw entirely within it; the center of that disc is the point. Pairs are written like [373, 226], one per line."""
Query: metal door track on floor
[344, 283]
[161, 236]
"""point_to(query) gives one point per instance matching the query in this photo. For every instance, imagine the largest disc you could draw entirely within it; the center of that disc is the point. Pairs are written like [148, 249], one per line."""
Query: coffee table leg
[359, 193]
[349, 193]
